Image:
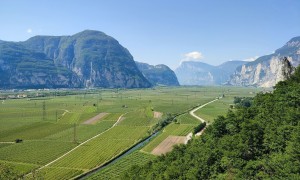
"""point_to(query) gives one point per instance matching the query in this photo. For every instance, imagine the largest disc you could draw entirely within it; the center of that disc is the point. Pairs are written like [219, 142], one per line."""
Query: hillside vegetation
[257, 142]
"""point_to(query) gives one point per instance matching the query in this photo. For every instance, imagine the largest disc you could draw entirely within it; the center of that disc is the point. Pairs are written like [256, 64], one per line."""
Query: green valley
[60, 140]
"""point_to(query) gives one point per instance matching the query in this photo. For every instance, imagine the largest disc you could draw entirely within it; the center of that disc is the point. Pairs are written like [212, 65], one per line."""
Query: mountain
[23, 68]
[267, 70]
[94, 58]
[159, 74]
[199, 73]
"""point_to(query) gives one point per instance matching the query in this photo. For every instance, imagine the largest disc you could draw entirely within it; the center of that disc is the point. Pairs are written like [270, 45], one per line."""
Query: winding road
[192, 113]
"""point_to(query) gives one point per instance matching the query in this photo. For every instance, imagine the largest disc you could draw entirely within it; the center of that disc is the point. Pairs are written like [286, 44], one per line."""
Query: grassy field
[220, 107]
[53, 125]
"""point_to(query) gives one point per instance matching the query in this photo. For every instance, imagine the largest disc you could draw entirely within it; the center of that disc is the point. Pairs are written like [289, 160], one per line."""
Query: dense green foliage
[257, 142]
[199, 127]
[242, 101]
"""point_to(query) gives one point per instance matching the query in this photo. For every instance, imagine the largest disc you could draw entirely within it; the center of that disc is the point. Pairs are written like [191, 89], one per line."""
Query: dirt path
[157, 115]
[95, 119]
[66, 111]
[119, 119]
[168, 144]
[192, 113]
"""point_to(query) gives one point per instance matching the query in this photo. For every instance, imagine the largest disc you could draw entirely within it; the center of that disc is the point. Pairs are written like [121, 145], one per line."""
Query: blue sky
[162, 31]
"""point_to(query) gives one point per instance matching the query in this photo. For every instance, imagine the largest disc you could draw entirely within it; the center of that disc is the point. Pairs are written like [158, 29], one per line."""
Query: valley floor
[65, 136]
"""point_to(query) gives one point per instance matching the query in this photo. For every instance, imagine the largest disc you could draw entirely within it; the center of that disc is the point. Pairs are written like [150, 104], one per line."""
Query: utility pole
[44, 111]
[74, 137]
[56, 115]
[98, 103]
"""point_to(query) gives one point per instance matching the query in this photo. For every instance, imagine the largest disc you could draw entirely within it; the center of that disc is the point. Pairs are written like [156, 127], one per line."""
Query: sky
[163, 31]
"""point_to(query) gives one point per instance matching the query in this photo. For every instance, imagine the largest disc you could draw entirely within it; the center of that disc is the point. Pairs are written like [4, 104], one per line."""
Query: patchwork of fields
[53, 128]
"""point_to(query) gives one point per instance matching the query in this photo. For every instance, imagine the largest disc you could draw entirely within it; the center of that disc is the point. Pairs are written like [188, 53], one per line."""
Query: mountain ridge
[158, 74]
[98, 60]
[267, 70]
[200, 73]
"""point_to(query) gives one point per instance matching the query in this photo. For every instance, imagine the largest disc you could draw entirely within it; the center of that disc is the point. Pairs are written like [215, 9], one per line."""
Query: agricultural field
[173, 129]
[220, 107]
[58, 142]
[114, 171]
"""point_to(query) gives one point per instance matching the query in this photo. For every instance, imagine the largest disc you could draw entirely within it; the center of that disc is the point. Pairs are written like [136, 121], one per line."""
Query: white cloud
[251, 58]
[29, 30]
[195, 55]
[192, 56]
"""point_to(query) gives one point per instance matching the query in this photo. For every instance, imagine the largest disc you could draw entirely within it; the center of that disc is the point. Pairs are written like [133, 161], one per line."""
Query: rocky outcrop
[22, 68]
[199, 73]
[158, 74]
[268, 70]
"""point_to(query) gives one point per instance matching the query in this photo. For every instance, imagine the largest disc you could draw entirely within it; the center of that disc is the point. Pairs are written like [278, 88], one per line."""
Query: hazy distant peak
[158, 74]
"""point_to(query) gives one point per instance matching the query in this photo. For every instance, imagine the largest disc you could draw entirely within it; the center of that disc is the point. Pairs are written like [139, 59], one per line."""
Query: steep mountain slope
[22, 68]
[159, 74]
[199, 73]
[267, 70]
[97, 59]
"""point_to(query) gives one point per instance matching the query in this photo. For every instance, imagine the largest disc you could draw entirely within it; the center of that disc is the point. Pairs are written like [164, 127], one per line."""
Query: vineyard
[172, 129]
[52, 129]
[115, 170]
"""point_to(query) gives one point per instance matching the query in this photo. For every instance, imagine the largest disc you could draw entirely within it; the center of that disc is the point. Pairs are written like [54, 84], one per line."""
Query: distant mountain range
[86, 59]
[93, 59]
[158, 74]
[267, 70]
[199, 73]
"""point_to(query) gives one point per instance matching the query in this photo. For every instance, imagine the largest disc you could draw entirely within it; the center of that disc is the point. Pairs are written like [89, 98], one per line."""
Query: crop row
[82, 132]
[115, 170]
[36, 130]
[34, 152]
[102, 148]
[187, 119]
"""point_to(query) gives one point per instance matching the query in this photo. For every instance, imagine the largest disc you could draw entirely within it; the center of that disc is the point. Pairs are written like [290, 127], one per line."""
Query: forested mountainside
[257, 140]
[87, 59]
[24, 68]
[158, 74]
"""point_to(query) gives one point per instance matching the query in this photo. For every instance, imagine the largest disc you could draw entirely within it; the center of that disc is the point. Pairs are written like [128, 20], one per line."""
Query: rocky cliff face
[96, 59]
[199, 73]
[159, 74]
[268, 70]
